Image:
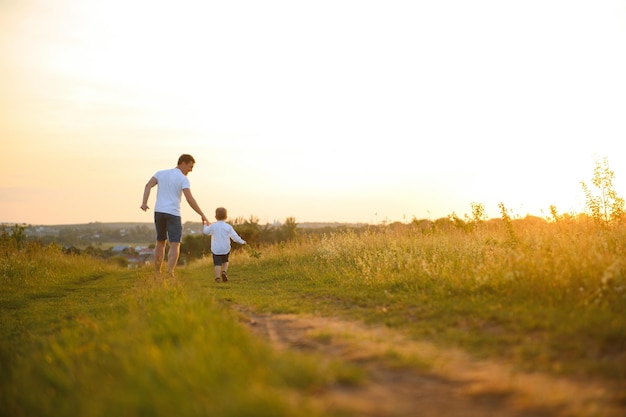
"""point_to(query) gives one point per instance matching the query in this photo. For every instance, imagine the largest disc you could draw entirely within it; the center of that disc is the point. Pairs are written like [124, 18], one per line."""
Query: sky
[324, 111]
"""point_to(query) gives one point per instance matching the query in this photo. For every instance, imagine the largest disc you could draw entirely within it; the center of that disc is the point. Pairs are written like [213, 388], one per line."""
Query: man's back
[171, 183]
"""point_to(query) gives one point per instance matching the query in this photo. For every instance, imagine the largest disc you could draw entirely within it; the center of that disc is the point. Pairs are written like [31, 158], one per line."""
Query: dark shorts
[168, 227]
[218, 260]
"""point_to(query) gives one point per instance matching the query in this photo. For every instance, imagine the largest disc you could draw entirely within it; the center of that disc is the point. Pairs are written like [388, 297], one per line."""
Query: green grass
[82, 337]
[99, 341]
[553, 301]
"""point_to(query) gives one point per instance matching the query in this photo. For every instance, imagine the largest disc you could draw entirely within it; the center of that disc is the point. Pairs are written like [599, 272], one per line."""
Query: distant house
[133, 262]
[136, 257]
[143, 251]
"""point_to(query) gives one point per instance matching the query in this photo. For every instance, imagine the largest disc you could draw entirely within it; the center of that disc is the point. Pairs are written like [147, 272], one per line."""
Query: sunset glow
[344, 111]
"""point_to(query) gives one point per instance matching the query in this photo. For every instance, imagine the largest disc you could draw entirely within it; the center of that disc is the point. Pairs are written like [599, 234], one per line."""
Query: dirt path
[443, 383]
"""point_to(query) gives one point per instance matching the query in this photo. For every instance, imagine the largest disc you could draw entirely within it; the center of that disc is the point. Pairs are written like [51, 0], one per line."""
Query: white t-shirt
[171, 183]
[221, 234]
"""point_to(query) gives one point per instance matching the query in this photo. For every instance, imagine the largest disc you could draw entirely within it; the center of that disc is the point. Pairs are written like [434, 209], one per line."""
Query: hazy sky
[361, 111]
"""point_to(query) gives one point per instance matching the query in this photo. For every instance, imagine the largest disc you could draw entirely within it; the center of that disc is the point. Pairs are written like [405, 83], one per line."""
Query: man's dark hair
[185, 159]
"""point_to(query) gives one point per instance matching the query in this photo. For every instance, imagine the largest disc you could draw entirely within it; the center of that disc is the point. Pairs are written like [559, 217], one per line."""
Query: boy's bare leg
[218, 269]
[224, 270]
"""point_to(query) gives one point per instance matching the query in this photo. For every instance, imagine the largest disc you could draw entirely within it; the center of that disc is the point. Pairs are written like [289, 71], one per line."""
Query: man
[172, 183]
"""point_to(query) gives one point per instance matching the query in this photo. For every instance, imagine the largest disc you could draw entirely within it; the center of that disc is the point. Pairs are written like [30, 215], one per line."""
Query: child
[221, 233]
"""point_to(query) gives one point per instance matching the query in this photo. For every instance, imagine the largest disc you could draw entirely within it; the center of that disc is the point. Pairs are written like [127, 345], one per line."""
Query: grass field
[80, 337]
[552, 297]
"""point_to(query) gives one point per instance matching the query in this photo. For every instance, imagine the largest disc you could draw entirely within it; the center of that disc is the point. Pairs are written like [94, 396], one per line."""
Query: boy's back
[221, 233]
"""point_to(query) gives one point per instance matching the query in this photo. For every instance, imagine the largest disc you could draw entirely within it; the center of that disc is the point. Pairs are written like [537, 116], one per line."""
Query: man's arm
[194, 205]
[146, 193]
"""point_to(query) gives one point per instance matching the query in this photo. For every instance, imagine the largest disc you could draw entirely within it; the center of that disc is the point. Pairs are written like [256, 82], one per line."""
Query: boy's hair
[220, 213]
[185, 159]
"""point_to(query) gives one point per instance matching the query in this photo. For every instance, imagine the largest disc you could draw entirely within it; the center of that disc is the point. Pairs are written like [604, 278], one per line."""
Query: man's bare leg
[172, 257]
[159, 255]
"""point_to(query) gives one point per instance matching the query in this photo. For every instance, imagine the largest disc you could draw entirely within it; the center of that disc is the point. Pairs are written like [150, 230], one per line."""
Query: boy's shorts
[218, 260]
[168, 227]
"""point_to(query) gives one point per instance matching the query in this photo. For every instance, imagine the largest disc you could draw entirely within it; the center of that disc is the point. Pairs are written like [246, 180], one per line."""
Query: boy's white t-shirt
[171, 183]
[221, 234]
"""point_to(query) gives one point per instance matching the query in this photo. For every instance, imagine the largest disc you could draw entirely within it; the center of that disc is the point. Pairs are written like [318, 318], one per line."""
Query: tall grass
[29, 266]
[81, 337]
[545, 295]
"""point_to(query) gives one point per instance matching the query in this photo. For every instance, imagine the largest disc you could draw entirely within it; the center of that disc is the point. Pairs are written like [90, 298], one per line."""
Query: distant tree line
[93, 234]
[197, 246]
[604, 207]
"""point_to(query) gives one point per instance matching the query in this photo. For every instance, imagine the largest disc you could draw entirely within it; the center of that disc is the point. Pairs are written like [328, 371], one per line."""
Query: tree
[289, 228]
[603, 203]
[12, 238]
[195, 247]
[249, 230]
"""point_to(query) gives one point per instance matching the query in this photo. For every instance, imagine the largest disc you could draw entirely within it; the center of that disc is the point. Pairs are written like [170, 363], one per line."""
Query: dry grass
[544, 295]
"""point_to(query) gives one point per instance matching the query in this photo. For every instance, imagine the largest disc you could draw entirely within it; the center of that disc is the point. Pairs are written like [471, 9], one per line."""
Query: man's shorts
[218, 260]
[168, 227]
